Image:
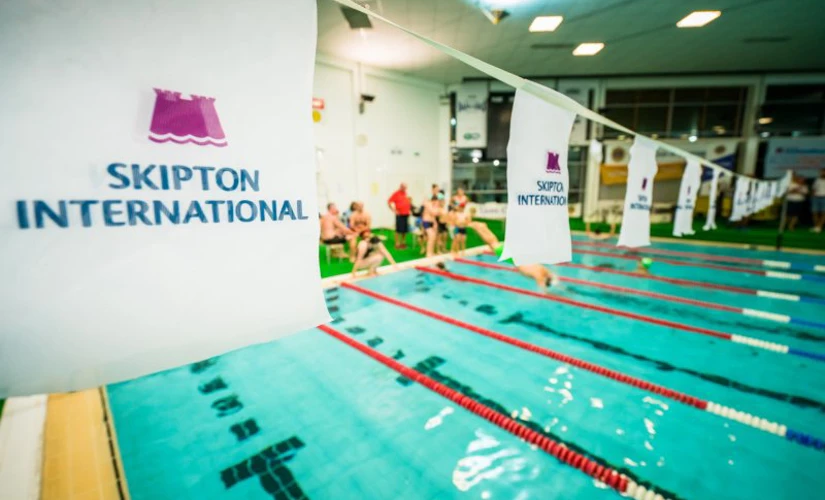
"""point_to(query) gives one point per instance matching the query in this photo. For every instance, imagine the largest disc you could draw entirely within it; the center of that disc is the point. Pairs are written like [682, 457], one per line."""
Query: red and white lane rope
[592, 468]
[767, 274]
[727, 412]
[775, 264]
[766, 315]
[739, 339]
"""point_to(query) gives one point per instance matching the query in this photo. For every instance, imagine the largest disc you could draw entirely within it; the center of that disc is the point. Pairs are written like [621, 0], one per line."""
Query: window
[677, 112]
[793, 110]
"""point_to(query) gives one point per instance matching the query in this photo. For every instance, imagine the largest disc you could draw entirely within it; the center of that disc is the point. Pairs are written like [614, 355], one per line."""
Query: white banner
[538, 228]
[471, 115]
[740, 199]
[638, 199]
[688, 190]
[710, 223]
[158, 196]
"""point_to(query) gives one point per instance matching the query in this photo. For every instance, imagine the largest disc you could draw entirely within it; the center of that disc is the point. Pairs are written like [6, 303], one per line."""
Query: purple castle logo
[553, 166]
[644, 183]
[183, 121]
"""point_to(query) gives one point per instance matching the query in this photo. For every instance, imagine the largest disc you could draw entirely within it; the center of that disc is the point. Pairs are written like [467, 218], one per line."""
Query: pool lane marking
[607, 475]
[775, 264]
[767, 274]
[740, 339]
[762, 424]
[779, 318]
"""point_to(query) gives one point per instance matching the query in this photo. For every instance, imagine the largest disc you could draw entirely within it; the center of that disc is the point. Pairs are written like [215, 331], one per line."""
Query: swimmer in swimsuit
[371, 254]
[460, 219]
[431, 210]
[543, 277]
[597, 234]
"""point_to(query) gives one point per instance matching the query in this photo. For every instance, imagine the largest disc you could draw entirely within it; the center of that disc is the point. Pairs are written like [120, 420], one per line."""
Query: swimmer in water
[543, 277]
[643, 266]
[597, 234]
[460, 219]
[371, 254]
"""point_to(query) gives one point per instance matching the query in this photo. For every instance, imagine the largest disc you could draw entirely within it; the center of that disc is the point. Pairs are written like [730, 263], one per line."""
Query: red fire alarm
[317, 103]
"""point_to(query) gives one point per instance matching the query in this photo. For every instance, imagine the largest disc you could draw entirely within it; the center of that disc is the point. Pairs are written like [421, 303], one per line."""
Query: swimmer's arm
[359, 260]
[387, 255]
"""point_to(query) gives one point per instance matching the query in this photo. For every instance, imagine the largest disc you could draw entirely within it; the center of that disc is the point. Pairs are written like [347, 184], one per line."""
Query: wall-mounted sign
[471, 115]
[805, 157]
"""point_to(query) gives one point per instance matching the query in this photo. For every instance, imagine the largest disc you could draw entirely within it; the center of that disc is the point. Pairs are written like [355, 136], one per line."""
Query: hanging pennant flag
[785, 183]
[710, 223]
[638, 199]
[689, 189]
[158, 198]
[538, 226]
[740, 199]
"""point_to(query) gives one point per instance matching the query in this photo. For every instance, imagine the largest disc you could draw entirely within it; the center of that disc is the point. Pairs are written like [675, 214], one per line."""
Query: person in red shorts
[400, 204]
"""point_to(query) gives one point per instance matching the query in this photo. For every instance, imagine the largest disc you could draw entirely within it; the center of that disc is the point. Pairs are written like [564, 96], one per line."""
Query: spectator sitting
[360, 219]
[334, 232]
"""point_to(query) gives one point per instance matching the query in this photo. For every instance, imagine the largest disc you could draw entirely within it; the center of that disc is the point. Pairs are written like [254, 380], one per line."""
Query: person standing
[797, 192]
[818, 202]
[400, 204]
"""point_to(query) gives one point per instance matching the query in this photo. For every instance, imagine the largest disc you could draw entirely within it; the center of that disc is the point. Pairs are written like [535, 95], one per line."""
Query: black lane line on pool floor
[518, 318]
[428, 367]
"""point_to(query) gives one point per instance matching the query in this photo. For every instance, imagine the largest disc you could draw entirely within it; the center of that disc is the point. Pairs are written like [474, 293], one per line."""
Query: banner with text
[638, 199]
[538, 228]
[710, 223]
[804, 156]
[688, 190]
[158, 202]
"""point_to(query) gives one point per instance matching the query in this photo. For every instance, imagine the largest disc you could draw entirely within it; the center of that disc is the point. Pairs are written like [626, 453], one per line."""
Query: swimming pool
[619, 367]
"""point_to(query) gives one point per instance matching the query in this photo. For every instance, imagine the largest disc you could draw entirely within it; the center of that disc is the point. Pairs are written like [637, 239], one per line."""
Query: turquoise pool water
[310, 417]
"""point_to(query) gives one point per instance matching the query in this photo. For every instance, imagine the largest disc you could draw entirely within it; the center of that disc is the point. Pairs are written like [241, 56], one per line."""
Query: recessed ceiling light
[545, 23]
[588, 49]
[699, 18]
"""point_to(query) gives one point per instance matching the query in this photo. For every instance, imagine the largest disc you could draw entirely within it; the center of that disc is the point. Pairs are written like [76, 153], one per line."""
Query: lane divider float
[767, 274]
[779, 318]
[593, 467]
[775, 264]
[739, 339]
[727, 412]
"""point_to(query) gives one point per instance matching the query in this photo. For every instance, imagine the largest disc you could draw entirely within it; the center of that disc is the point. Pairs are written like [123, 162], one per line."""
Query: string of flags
[535, 231]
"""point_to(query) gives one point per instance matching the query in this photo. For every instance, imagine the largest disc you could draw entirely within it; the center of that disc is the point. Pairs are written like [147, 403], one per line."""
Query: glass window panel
[685, 120]
[803, 119]
[653, 120]
[620, 97]
[622, 116]
[724, 94]
[654, 96]
[807, 93]
[720, 121]
[692, 95]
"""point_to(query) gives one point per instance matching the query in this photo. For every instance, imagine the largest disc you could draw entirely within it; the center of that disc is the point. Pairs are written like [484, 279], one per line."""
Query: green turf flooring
[757, 233]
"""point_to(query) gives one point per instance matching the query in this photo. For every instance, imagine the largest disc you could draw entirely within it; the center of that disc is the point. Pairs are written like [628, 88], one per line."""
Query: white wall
[402, 136]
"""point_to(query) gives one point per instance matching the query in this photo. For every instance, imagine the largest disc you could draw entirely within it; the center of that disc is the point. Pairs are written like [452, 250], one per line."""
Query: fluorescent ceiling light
[698, 18]
[588, 49]
[545, 23]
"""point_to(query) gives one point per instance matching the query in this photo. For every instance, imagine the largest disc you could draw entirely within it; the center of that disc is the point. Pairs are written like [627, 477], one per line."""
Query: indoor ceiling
[641, 37]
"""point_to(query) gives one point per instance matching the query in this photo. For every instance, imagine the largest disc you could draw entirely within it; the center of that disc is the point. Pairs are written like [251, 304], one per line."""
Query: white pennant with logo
[638, 199]
[710, 223]
[688, 190]
[158, 202]
[538, 226]
[740, 200]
